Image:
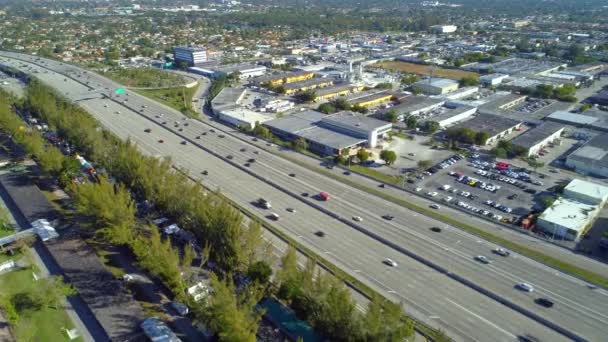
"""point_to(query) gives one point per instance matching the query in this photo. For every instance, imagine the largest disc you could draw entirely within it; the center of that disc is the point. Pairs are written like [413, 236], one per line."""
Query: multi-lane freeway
[357, 247]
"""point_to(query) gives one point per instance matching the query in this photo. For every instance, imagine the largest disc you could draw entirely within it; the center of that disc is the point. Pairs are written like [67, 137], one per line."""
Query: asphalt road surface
[429, 295]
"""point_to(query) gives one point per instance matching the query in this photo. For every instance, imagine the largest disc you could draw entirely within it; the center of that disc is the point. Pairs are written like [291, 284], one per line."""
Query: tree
[424, 164]
[411, 121]
[359, 109]
[391, 116]
[300, 144]
[430, 126]
[51, 162]
[384, 85]
[305, 96]
[481, 138]
[326, 108]
[52, 289]
[585, 107]
[383, 321]
[363, 155]
[469, 81]
[388, 156]
[505, 145]
[261, 131]
[409, 80]
[341, 104]
[500, 152]
[546, 201]
[535, 164]
[259, 272]
[232, 317]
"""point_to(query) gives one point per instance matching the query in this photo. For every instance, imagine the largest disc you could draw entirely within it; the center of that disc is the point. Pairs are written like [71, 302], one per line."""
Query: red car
[324, 196]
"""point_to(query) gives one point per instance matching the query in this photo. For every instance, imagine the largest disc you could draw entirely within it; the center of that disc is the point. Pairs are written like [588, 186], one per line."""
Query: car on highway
[390, 262]
[388, 217]
[501, 251]
[161, 141]
[292, 175]
[320, 233]
[418, 189]
[432, 193]
[546, 302]
[435, 206]
[205, 172]
[164, 122]
[274, 216]
[247, 164]
[525, 287]
[347, 173]
[221, 136]
[212, 130]
[184, 142]
[198, 137]
[436, 229]
[230, 156]
[357, 218]
[304, 194]
[251, 160]
[148, 130]
[482, 259]
[243, 149]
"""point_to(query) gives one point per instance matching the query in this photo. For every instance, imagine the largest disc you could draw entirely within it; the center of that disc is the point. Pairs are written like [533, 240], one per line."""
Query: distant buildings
[436, 86]
[443, 28]
[190, 55]
[591, 158]
[279, 79]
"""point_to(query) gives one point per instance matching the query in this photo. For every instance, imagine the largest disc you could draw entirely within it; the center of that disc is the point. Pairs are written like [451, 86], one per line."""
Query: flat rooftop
[594, 153]
[493, 124]
[333, 89]
[569, 213]
[573, 118]
[296, 122]
[437, 82]
[307, 83]
[330, 137]
[365, 97]
[227, 97]
[588, 189]
[537, 134]
[416, 103]
[355, 121]
[268, 78]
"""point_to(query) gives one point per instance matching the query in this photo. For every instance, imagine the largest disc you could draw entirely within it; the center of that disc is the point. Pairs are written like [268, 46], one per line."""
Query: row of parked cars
[474, 182]
[499, 206]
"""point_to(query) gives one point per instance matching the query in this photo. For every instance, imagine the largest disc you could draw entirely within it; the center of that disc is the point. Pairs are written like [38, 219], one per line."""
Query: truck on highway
[264, 203]
[324, 196]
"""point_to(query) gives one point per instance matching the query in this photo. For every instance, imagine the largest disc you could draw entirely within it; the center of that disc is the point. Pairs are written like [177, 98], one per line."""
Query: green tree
[326, 108]
[481, 138]
[409, 79]
[430, 126]
[383, 321]
[359, 109]
[411, 121]
[546, 201]
[52, 289]
[51, 162]
[300, 144]
[388, 156]
[391, 116]
[261, 131]
[233, 317]
[384, 85]
[341, 104]
[585, 107]
[500, 152]
[469, 81]
[259, 272]
[305, 96]
[363, 155]
[424, 164]
[535, 164]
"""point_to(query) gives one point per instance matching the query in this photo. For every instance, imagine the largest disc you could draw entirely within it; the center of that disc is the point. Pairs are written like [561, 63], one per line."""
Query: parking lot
[489, 192]
[410, 152]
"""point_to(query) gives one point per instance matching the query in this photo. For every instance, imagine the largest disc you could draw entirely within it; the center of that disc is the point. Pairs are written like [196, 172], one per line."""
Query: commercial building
[570, 216]
[242, 117]
[600, 99]
[586, 192]
[497, 127]
[591, 158]
[436, 86]
[450, 116]
[539, 137]
[417, 105]
[566, 219]
[244, 71]
[592, 119]
[443, 28]
[499, 102]
[370, 100]
[311, 84]
[334, 91]
[276, 80]
[191, 55]
[330, 134]
[492, 80]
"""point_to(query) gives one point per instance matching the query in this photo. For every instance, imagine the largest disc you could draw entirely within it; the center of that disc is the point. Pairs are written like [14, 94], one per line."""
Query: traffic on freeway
[359, 246]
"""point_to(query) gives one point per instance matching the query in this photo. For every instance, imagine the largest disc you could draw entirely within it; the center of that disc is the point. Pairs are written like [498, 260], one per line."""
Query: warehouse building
[417, 105]
[436, 86]
[289, 77]
[539, 137]
[443, 28]
[330, 134]
[570, 216]
[191, 55]
[497, 127]
[600, 99]
[589, 119]
[242, 117]
[367, 100]
[492, 80]
[311, 84]
[337, 90]
[450, 116]
[591, 158]
[243, 70]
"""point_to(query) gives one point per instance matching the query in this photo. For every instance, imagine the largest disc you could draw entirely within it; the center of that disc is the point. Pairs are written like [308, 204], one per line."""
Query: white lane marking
[481, 318]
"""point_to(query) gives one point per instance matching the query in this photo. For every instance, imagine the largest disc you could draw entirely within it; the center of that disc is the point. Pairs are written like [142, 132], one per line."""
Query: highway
[428, 294]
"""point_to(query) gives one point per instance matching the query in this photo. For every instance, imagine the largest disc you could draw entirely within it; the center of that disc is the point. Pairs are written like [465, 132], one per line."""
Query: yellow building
[371, 100]
[277, 80]
[294, 87]
[336, 91]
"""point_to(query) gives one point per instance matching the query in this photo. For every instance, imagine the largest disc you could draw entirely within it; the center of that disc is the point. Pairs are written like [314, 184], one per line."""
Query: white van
[274, 216]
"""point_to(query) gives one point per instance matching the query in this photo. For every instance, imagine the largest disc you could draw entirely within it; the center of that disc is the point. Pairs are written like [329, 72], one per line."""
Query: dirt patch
[424, 70]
